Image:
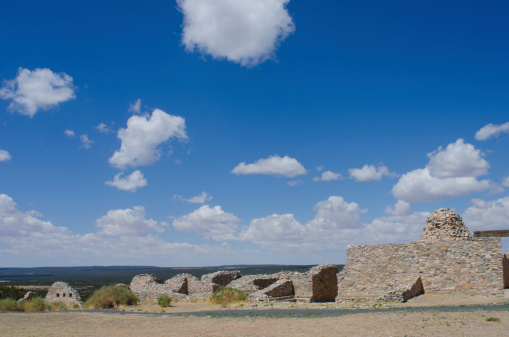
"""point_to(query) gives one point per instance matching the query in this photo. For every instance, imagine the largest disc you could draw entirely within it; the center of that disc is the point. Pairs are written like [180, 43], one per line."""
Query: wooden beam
[492, 234]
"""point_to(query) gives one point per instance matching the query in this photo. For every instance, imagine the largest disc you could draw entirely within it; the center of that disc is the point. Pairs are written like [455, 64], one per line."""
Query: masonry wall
[506, 271]
[472, 266]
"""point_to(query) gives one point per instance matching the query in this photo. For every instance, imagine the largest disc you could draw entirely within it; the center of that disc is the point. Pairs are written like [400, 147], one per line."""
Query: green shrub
[164, 300]
[110, 297]
[493, 319]
[9, 304]
[35, 304]
[227, 295]
[57, 306]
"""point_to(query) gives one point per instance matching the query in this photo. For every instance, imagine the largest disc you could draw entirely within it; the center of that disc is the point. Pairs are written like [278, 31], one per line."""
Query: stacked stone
[63, 292]
[444, 224]
[148, 288]
[253, 283]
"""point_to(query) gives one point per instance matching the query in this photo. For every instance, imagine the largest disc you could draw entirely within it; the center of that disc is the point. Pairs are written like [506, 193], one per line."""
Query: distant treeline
[18, 293]
[95, 277]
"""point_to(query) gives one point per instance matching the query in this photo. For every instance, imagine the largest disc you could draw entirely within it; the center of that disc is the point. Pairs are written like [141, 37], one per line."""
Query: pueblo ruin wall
[447, 260]
[470, 266]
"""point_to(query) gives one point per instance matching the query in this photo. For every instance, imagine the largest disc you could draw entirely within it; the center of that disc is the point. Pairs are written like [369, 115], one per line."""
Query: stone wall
[148, 288]
[63, 292]
[465, 266]
[505, 264]
[319, 284]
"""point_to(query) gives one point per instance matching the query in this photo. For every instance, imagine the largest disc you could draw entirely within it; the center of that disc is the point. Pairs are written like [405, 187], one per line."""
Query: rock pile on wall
[444, 224]
[63, 292]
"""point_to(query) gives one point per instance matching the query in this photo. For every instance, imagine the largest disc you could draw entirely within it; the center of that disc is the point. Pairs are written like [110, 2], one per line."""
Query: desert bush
[9, 304]
[164, 300]
[110, 297]
[493, 319]
[227, 295]
[57, 306]
[35, 304]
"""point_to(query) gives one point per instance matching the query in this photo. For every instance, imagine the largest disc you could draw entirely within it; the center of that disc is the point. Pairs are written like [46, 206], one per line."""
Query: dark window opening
[70, 295]
[58, 295]
[63, 295]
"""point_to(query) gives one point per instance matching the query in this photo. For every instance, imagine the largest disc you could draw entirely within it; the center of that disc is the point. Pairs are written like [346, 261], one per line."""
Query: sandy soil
[375, 324]
[73, 323]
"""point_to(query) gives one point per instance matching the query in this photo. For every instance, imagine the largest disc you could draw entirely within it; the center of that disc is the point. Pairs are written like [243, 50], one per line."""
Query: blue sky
[208, 132]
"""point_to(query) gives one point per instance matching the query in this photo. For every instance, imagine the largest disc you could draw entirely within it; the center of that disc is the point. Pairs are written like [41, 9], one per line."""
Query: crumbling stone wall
[505, 266]
[319, 284]
[471, 266]
[221, 278]
[148, 288]
[63, 292]
[254, 283]
[282, 289]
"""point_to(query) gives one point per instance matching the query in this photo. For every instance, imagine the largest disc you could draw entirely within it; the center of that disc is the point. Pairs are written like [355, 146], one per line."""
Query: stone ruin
[181, 287]
[447, 260]
[317, 285]
[444, 224]
[29, 295]
[63, 292]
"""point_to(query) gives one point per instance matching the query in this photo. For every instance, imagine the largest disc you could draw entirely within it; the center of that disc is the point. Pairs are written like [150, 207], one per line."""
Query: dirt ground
[412, 323]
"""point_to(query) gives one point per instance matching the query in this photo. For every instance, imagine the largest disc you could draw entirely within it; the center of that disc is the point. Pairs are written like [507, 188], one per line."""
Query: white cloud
[328, 176]
[130, 183]
[369, 173]
[135, 107]
[487, 215]
[457, 160]
[142, 137]
[400, 208]
[491, 130]
[420, 186]
[103, 128]
[13, 222]
[505, 182]
[451, 172]
[4, 155]
[242, 31]
[202, 198]
[335, 213]
[124, 237]
[127, 222]
[36, 90]
[396, 228]
[86, 143]
[275, 230]
[211, 222]
[335, 223]
[274, 165]
[69, 133]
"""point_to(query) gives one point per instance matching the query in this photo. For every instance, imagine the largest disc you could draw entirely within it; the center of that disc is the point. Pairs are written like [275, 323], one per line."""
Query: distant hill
[100, 275]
